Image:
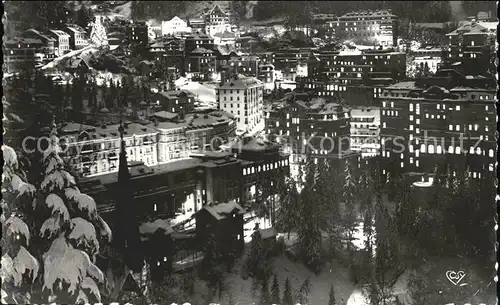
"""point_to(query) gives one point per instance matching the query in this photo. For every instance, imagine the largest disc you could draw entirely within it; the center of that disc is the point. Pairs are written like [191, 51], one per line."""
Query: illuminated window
[422, 148]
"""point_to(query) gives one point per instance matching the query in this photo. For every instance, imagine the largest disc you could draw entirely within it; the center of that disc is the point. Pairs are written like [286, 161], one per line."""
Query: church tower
[127, 236]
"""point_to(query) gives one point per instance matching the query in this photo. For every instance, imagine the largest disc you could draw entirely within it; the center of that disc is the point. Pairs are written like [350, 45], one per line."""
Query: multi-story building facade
[266, 76]
[216, 21]
[242, 96]
[48, 48]
[198, 41]
[196, 24]
[287, 61]
[356, 76]
[310, 125]
[263, 167]
[324, 23]
[201, 63]
[365, 130]
[137, 33]
[93, 150]
[177, 101]
[371, 27]
[429, 58]
[22, 53]
[225, 38]
[472, 46]
[174, 26]
[194, 133]
[444, 120]
[61, 41]
[77, 36]
[246, 65]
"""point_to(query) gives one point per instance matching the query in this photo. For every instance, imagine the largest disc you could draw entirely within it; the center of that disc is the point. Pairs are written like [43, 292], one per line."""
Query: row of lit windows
[266, 167]
[392, 113]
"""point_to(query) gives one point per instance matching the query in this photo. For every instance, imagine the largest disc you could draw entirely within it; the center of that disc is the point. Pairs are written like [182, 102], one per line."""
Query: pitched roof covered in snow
[223, 210]
[241, 82]
[153, 227]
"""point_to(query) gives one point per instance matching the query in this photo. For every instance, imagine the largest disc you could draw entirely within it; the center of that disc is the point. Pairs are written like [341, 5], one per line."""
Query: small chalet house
[78, 65]
[201, 63]
[48, 42]
[61, 43]
[225, 222]
[77, 36]
[158, 245]
[175, 101]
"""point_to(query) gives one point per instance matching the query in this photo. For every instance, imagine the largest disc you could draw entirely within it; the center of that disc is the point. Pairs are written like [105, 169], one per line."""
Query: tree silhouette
[287, 293]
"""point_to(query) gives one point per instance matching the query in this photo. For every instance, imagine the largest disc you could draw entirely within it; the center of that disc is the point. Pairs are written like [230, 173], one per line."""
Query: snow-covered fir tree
[52, 235]
[287, 293]
[275, 291]
[98, 35]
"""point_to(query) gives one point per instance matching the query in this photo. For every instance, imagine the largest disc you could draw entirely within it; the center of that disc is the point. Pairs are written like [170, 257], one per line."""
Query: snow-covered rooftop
[222, 210]
[153, 227]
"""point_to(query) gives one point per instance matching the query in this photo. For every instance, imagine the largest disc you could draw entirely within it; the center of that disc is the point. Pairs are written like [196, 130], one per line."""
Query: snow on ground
[333, 274]
[56, 61]
[358, 298]
[204, 94]
[249, 226]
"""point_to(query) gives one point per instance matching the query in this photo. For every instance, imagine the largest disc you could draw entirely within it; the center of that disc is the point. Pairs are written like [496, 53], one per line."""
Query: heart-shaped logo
[455, 277]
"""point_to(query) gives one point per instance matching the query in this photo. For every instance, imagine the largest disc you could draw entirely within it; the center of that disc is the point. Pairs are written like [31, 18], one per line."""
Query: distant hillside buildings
[377, 28]
[471, 47]
[357, 76]
[174, 26]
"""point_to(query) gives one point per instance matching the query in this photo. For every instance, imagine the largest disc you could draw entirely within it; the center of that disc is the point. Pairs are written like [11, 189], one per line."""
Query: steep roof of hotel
[222, 210]
[378, 13]
[175, 93]
[473, 28]
[197, 121]
[59, 33]
[320, 105]
[41, 34]
[75, 28]
[110, 131]
[241, 82]
[216, 10]
[403, 85]
[23, 40]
